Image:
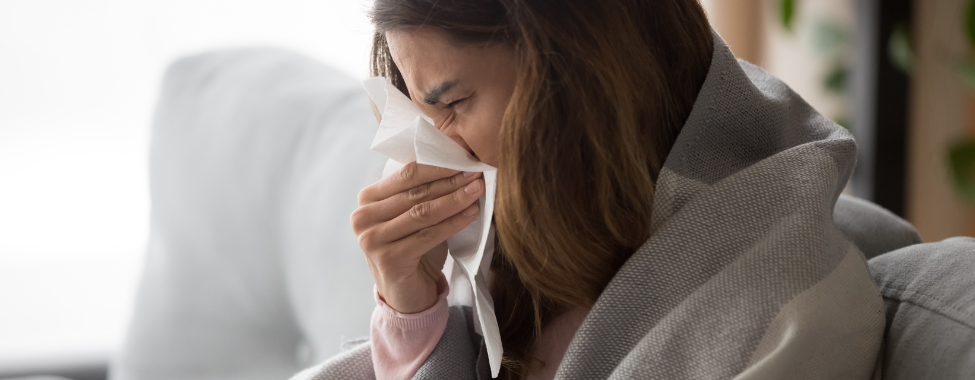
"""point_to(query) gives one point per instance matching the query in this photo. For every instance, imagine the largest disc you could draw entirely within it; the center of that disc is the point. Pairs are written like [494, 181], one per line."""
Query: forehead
[426, 57]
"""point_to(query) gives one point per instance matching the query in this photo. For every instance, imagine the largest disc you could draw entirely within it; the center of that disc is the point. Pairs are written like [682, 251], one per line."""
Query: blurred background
[79, 79]
[78, 84]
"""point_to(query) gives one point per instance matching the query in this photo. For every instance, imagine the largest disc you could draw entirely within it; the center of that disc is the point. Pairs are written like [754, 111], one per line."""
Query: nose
[452, 133]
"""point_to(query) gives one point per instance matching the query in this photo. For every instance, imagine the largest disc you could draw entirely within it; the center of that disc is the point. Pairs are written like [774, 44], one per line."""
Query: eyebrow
[433, 97]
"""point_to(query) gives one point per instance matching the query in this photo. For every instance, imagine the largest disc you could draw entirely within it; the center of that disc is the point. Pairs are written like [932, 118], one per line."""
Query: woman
[663, 210]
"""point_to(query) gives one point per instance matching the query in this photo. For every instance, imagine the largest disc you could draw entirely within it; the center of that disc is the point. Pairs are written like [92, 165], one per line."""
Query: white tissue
[406, 135]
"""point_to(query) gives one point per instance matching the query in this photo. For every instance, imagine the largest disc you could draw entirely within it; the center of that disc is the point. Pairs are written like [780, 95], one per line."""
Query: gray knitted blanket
[744, 275]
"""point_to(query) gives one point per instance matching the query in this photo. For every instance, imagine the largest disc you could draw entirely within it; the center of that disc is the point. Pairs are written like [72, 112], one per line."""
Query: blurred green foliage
[961, 154]
[787, 10]
[829, 36]
[833, 40]
[970, 22]
[966, 69]
[836, 79]
[899, 49]
[961, 157]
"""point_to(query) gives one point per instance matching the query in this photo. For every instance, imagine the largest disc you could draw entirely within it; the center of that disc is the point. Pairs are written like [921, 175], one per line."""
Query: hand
[403, 222]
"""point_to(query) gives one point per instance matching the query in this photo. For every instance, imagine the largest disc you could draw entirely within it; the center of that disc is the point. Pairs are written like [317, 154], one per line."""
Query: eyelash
[454, 103]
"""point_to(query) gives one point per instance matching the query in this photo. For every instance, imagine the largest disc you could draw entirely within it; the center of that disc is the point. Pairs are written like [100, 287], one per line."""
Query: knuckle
[367, 241]
[460, 195]
[420, 212]
[355, 219]
[418, 193]
[456, 180]
[364, 241]
[363, 196]
[359, 220]
[409, 172]
[382, 255]
[380, 258]
[426, 234]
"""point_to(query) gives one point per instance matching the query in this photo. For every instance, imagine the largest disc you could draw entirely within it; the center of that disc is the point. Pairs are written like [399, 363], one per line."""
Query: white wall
[78, 80]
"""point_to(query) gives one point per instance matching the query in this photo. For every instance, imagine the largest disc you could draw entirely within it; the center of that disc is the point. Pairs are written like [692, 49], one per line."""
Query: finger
[429, 213]
[389, 208]
[422, 241]
[407, 177]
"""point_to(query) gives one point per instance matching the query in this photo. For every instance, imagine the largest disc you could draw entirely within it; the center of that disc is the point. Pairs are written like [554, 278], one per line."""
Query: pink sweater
[402, 342]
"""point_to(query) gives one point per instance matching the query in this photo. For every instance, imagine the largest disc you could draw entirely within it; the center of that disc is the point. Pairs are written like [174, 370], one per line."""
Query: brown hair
[603, 89]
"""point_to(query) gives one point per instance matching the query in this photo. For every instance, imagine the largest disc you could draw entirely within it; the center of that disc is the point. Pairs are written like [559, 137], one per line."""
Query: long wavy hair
[603, 89]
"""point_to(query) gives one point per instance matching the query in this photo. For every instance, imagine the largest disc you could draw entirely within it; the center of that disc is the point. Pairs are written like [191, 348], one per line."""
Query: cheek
[482, 133]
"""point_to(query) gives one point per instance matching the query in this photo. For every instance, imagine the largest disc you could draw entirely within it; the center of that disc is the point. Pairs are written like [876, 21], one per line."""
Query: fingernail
[471, 210]
[468, 174]
[472, 188]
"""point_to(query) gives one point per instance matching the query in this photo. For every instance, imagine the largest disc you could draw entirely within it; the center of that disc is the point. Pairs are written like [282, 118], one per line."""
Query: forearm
[402, 342]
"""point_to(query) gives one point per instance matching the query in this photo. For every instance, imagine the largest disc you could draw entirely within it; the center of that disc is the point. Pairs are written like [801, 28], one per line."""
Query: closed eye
[454, 103]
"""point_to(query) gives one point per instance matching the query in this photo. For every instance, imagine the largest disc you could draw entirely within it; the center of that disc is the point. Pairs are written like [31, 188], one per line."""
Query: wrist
[390, 317]
[411, 296]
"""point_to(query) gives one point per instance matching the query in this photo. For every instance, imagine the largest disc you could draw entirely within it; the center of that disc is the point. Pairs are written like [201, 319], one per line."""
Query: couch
[252, 270]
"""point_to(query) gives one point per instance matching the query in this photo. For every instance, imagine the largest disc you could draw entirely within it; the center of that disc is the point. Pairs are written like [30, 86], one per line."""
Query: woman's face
[463, 88]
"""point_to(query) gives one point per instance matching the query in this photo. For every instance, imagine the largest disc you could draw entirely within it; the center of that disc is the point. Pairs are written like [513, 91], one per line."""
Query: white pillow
[252, 269]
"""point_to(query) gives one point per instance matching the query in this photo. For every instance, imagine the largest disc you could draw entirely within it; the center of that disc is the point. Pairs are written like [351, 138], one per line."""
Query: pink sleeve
[402, 342]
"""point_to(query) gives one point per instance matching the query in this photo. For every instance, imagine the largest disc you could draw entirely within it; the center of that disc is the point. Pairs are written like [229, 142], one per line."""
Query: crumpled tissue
[406, 135]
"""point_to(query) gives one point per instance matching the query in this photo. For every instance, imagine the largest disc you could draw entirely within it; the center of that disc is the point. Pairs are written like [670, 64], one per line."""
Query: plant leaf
[899, 49]
[829, 36]
[970, 22]
[961, 160]
[967, 72]
[787, 13]
[835, 81]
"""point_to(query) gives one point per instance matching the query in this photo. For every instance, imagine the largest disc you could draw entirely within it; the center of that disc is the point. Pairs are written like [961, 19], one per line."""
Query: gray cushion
[929, 290]
[872, 228]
